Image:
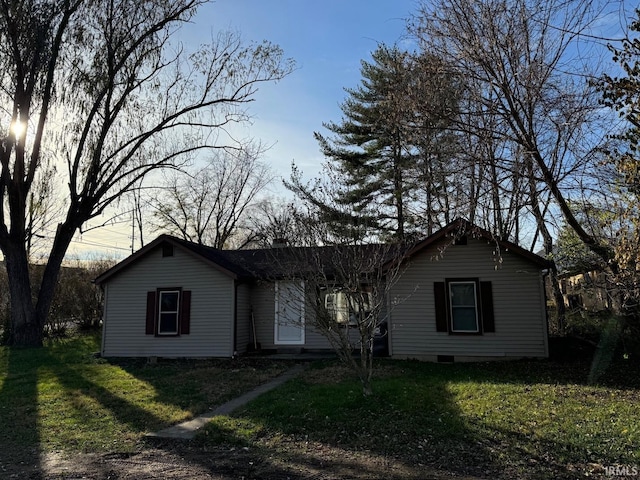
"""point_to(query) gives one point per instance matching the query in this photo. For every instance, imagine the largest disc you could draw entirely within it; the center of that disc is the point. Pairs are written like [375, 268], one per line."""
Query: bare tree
[101, 88]
[209, 205]
[518, 54]
[342, 275]
[520, 58]
[342, 291]
[276, 221]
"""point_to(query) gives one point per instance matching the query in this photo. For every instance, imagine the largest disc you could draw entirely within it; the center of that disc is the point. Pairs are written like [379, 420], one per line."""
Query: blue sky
[327, 39]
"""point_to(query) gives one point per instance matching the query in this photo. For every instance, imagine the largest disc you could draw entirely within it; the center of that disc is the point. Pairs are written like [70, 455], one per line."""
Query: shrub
[77, 302]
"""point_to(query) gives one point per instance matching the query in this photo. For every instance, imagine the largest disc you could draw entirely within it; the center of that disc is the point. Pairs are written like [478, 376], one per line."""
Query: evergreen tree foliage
[377, 152]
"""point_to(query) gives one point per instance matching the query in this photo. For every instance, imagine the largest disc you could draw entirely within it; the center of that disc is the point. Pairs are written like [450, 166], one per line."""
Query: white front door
[289, 324]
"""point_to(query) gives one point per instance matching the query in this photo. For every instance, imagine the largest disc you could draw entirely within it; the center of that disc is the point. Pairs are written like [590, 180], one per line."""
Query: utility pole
[133, 229]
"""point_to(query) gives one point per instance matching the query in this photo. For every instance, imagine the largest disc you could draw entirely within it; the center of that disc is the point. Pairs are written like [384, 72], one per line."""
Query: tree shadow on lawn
[20, 433]
[292, 458]
[199, 385]
[310, 428]
[48, 400]
[412, 422]
[78, 384]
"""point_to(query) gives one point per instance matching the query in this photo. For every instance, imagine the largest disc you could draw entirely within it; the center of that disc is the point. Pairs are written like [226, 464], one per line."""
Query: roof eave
[124, 264]
[464, 227]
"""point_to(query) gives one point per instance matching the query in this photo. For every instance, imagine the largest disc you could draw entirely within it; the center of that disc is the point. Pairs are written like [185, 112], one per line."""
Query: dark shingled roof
[280, 262]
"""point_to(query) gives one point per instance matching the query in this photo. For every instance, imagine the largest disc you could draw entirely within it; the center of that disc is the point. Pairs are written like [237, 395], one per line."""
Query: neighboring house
[464, 295]
[590, 290]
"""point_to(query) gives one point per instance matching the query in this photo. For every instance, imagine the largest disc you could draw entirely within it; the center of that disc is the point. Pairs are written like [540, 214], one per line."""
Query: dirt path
[183, 461]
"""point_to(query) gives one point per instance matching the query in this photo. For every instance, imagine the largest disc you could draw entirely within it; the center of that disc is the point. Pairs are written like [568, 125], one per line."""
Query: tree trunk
[398, 185]
[496, 200]
[547, 241]
[366, 364]
[428, 182]
[561, 310]
[27, 321]
[63, 238]
[24, 330]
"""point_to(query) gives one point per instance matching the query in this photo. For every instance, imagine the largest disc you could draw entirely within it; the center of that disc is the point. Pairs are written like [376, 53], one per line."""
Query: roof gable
[212, 256]
[460, 227]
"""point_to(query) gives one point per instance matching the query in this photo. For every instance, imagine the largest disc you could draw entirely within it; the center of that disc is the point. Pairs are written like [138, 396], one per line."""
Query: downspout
[234, 349]
[104, 318]
[543, 275]
[389, 325]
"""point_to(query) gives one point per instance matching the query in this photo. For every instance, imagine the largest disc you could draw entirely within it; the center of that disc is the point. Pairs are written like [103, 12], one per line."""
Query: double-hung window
[337, 307]
[345, 308]
[463, 302]
[168, 312]
[464, 306]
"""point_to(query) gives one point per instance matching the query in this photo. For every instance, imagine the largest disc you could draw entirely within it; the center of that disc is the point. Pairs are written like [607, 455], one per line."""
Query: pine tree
[378, 151]
[369, 148]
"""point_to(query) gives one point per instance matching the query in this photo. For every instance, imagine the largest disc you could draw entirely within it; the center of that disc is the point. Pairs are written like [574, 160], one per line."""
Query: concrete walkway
[187, 430]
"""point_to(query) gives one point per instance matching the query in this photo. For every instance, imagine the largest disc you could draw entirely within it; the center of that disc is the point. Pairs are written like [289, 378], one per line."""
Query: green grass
[529, 419]
[63, 398]
[519, 419]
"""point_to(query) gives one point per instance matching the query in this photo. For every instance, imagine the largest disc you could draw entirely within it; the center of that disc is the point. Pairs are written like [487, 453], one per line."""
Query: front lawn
[526, 419]
[63, 398]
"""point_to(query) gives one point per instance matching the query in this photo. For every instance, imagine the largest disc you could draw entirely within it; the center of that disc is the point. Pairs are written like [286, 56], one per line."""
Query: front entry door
[289, 318]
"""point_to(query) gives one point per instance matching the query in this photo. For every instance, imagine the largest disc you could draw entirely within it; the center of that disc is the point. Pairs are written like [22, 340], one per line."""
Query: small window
[343, 308]
[461, 240]
[463, 297]
[167, 250]
[336, 305]
[464, 306]
[168, 312]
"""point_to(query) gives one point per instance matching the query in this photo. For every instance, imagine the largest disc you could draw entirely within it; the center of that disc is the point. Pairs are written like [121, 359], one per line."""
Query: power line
[96, 244]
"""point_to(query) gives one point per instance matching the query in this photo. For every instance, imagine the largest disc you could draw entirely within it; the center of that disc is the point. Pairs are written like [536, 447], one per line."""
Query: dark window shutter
[185, 312]
[441, 306]
[486, 305]
[150, 328]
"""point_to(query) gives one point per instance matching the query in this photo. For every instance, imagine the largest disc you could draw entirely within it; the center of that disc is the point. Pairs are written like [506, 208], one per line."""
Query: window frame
[344, 312]
[451, 308]
[154, 312]
[160, 292]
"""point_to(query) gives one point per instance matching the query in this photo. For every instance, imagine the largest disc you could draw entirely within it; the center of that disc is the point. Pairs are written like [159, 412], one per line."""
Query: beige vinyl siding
[243, 317]
[212, 308]
[263, 297]
[314, 340]
[518, 300]
[263, 303]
